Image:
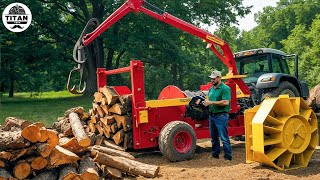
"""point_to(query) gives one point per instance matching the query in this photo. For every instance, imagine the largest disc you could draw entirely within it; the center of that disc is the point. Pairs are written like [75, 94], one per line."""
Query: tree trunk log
[128, 165]
[110, 151]
[77, 110]
[39, 163]
[88, 169]
[22, 170]
[78, 130]
[110, 172]
[12, 140]
[22, 152]
[31, 133]
[112, 145]
[44, 135]
[15, 122]
[61, 156]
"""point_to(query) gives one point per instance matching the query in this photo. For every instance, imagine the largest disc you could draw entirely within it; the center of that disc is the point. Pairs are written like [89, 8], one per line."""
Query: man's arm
[226, 96]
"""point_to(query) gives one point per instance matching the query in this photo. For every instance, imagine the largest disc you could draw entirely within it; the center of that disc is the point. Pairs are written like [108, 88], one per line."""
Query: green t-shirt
[222, 92]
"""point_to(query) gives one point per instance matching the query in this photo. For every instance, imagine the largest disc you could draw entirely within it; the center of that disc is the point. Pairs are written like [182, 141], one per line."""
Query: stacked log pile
[111, 118]
[314, 98]
[65, 151]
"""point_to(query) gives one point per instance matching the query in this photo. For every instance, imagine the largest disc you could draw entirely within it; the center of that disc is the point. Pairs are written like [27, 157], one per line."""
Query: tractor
[172, 124]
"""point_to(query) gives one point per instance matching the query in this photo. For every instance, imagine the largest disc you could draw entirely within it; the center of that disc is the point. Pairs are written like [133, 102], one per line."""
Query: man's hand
[206, 102]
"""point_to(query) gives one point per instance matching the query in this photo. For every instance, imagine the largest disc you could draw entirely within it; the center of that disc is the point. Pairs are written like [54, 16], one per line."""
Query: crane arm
[140, 6]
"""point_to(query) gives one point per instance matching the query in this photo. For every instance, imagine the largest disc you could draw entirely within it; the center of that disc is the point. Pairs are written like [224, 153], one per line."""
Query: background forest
[40, 58]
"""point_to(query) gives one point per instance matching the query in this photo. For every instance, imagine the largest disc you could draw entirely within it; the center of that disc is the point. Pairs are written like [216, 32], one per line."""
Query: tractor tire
[285, 87]
[177, 141]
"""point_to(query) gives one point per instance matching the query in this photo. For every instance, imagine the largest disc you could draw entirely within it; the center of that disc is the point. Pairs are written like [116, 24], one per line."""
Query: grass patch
[46, 107]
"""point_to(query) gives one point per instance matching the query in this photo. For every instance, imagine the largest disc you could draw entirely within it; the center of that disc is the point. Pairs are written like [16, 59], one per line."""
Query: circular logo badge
[16, 17]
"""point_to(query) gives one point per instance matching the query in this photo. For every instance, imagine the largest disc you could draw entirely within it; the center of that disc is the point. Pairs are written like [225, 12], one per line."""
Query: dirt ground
[201, 166]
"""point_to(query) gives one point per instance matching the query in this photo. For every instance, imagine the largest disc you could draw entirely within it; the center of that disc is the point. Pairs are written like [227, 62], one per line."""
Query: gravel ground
[201, 166]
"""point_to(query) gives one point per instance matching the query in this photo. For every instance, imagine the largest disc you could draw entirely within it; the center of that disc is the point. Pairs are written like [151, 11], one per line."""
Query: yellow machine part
[281, 132]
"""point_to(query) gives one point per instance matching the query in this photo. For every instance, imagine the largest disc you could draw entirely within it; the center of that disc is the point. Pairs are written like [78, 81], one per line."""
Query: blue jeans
[218, 128]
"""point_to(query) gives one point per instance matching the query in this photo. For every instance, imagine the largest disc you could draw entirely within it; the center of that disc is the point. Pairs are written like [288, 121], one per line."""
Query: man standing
[219, 106]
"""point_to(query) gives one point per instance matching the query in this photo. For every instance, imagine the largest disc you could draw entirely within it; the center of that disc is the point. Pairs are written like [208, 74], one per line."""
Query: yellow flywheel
[281, 132]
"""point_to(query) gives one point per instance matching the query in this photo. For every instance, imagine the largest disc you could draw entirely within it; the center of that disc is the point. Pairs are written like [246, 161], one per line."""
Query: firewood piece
[99, 128]
[127, 141]
[60, 155]
[12, 140]
[46, 175]
[114, 128]
[110, 172]
[2, 163]
[94, 118]
[105, 108]
[5, 155]
[126, 101]
[53, 139]
[77, 110]
[92, 127]
[99, 109]
[110, 151]
[99, 139]
[63, 126]
[22, 170]
[78, 130]
[107, 131]
[4, 174]
[22, 152]
[112, 145]
[68, 172]
[44, 149]
[110, 94]
[97, 97]
[118, 137]
[44, 135]
[124, 121]
[39, 124]
[118, 109]
[88, 170]
[104, 102]
[39, 163]
[71, 144]
[15, 122]
[128, 165]
[85, 116]
[31, 133]
[107, 120]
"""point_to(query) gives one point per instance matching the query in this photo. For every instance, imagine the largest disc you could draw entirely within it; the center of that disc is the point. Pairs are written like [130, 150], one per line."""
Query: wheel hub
[182, 142]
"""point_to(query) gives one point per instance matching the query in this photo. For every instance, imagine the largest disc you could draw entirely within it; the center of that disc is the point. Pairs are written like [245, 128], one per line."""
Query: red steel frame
[145, 134]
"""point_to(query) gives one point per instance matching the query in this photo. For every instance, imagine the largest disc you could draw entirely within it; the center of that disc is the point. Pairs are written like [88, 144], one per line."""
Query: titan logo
[16, 17]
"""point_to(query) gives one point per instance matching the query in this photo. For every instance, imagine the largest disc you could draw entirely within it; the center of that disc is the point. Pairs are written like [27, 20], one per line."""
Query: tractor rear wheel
[177, 141]
[285, 87]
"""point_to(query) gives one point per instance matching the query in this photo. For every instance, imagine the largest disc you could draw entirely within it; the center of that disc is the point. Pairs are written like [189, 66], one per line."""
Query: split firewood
[60, 155]
[39, 163]
[98, 141]
[15, 122]
[63, 126]
[110, 94]
[128, 165]
[114, 128]
[94, 118]
[98, 109]
[53, 139]
[112, 145]
[110, 172]
[124, 121]
[92, 127]
[107, 120]
[22, 170]
[5, 155]
[46, 175]
[68, 172]
[31, 133]
[118, 137]
[44, 149]
[22, 152]
[107, 131]
[4, 175]
[97, 97]
[126, 101]
[78, 130]
[85, 116]
[88, 170]
[118, 109]
[110, 151]
[104, 101]
[12, 140]
[127, 141]
[99, 128]
[71, 144]
[77, 110]
[105, 108]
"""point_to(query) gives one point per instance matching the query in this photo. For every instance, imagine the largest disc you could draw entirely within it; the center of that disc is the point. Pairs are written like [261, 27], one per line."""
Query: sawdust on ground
[201, 166]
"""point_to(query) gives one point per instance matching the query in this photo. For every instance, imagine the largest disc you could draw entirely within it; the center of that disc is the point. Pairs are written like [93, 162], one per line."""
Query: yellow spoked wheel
[281, 132]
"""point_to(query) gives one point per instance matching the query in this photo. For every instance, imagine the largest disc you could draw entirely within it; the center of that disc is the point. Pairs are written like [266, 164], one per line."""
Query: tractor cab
[256, 62]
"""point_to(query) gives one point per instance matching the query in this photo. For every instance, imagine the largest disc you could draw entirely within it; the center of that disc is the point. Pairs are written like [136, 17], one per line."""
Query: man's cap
[215, 74]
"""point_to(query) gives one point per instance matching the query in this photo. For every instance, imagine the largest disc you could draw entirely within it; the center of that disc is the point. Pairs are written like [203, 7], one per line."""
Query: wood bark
[112, 145]
[77, 110]
[99, 139]
[128, 165]
[60, 156]
[15, 122]
[111, 172]
[12, 140]
[110, 151]
[78, 130]
[5, 155]
[22, 152]
[68, 172]
[124, 121]
[85, 116]
[4, 174]
[47, 175]
[110, 94]
[22, 170]
[88, 170]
